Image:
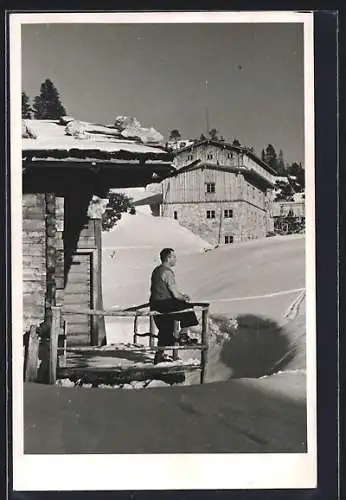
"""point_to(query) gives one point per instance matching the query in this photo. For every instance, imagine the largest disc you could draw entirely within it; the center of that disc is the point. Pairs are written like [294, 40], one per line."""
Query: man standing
[165, 298]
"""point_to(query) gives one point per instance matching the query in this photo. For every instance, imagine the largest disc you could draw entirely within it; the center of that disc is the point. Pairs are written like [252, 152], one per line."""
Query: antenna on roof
[206, 108]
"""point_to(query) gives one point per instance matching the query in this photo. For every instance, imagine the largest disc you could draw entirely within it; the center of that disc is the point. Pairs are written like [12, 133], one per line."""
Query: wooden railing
[135, 312]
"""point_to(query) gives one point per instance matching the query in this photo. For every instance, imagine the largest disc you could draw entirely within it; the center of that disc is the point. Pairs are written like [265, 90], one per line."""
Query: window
[228, 214]
[190, 157]
[228, 239]
[175, 214]
[210, 187]
[209, 156]
[210, 214]
[230, 156]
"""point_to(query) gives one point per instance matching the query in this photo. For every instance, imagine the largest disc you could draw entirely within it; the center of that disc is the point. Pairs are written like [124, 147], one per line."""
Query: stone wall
[248, 221]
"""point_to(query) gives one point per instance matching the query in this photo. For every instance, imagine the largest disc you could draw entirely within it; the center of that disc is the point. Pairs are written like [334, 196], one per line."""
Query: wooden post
[98, 334]
[176, 334]
[51, 255]
[135, 329]
[53, 343]
[32, 355]
[205, 341]
[152, 331]
[63, 358]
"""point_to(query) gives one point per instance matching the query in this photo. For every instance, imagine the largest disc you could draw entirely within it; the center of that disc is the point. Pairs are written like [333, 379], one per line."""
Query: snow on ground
[255, 282]
[238, 416]
[262, 410]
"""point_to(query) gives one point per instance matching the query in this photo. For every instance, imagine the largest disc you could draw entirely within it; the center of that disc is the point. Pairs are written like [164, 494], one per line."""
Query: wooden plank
[135, 330]
[100, 351]
[78, 329]
[33, 225]
[122, 313]
[75, 288]
[76, 300]
[33, 250]
[34, 260]
[34, 315]
[86, 244]
[205, 341]
[34, 287]
[76, 319]
[33, 212]
[31, 363]
[34, 273]
[88, 231]
[59, 296]
[176, 335]
[53, 344]
[152, 331]
[59, 241]
[33, 199]
[113, 374]
[59, 282]
[81, 339]
[35, 234]
[33, 239]
[80, 262]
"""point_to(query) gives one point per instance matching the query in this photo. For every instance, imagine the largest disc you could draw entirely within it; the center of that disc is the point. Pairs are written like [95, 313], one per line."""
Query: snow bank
[145, 231]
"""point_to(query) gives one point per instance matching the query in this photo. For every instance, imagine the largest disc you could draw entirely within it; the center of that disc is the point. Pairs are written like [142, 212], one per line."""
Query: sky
[158, 73]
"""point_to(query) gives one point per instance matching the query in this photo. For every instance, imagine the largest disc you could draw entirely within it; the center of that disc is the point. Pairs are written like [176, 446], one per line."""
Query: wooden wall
[34, 259]
[191, 187]
[59, 242]
[185, 196]
[219, 154]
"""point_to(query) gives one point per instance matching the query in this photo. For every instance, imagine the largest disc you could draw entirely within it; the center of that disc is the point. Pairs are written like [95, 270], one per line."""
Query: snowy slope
[256, 282]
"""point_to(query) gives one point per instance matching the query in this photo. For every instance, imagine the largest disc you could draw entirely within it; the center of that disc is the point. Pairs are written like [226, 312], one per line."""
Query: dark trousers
[165, 324]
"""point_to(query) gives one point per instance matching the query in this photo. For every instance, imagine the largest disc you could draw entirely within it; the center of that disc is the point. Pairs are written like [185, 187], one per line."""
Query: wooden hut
[66, 177]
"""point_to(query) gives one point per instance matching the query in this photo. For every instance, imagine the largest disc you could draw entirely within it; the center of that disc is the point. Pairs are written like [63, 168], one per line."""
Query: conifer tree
[26, 108]
[271, 157]
[47, 105]
[281, 163]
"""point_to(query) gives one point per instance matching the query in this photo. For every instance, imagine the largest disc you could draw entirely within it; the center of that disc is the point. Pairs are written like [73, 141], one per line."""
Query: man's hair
[165, 252]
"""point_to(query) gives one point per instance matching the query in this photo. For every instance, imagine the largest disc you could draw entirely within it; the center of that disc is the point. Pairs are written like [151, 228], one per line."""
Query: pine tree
[263, 156]
[271, 157]
[296, 170]
[281, 163]
[26, 108]
[47, 106]
[236, 142]
[175, 135]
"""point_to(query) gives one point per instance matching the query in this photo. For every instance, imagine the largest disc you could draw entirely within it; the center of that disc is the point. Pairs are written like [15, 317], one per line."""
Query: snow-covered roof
[50, 139]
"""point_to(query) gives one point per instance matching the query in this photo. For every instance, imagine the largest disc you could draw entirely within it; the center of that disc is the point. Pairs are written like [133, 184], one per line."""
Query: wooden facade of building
[65, 183]
[221, 192]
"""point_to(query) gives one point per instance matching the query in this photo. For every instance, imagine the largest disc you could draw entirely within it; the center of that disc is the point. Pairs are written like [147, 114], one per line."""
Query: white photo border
[229, 471]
